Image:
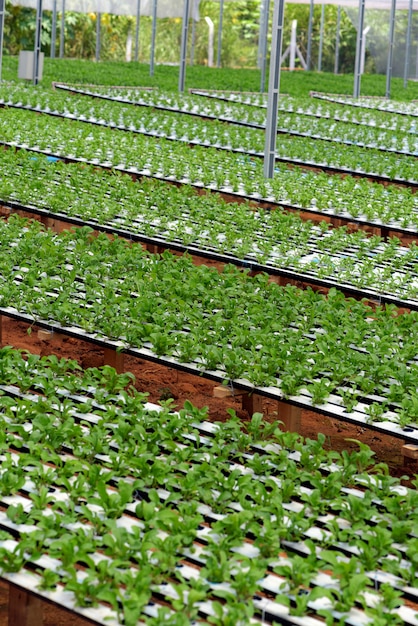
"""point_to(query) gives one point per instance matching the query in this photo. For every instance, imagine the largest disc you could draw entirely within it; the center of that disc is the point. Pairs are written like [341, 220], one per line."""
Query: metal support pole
[274, 89]
[221, 19]
[359, 49]
[260, 34]
[264, 47]
[192, 47]
[2, 5]
[183, 52]
[321, 38]
[408, 44]
[138, 17]
[293, 46]
[38, 32]
[98, 28]
[62, 31]
[211, 35]
[337, 41]
[363, 51]
[53, 29]
[310, 23]
[416, 65]
[391, 43]
[153, 37]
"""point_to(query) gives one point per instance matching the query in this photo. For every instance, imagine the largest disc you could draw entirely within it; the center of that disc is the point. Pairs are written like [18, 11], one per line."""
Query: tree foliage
[240, 36]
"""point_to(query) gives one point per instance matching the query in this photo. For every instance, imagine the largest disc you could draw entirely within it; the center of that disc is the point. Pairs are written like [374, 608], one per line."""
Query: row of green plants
[244, 107]
[184, 128]
[241, 107]
[179, 215]
[290, 147]
[208, 167]
[379, 104]
[168, 519]
[297, 341]
[315, 105]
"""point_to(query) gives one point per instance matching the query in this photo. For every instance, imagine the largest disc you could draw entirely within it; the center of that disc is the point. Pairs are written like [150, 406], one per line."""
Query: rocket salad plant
[276, 239]
[244, 326]
[162, 551]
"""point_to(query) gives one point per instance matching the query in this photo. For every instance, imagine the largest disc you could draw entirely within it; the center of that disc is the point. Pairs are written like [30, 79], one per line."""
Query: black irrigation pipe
[253, 125]
[408, 433]
[308, 278]
[385, 228]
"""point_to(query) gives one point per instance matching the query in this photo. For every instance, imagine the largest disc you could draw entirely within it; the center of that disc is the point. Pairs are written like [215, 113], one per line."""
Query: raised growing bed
[347, 199]
[128, 513]
[224, 326]
[297, 147]
[380, 104]
[274, 242]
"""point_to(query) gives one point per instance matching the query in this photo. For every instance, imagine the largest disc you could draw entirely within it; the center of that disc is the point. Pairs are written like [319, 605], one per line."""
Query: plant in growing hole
[247, 580]
[320, 390]
[374, 544]
[259, 428]
[17, 514]
[218, 565]
[231, 613]
[189, 594]
[384, 611]
[166, 617]
[352, 580]
[298, 572]
[304, 597]
[11, 561]
[49, 580]
[165, 556]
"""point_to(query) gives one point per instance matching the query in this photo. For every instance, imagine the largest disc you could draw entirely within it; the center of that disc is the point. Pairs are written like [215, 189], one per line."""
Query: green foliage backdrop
[239, 41]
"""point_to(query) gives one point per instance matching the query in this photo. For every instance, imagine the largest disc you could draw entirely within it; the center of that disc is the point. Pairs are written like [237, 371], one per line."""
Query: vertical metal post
[98, 28]
[2, 3]
[53, 28]
[260, 34]
[264, 47]
[38, 32]
[337, 42]
[221, 19]
[153, 37]
[192, 47]
[183, 51]
[293, 46]
[391, 42]
[138, 17]
[408, 44]
[274, 89]
[321, 38]
[62, 31]
[309, 50]
[211, 29]
[363, 50]
[359, 49]
[416, 65]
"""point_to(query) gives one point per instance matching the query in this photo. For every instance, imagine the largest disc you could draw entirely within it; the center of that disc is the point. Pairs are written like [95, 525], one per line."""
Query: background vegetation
[240, 36]
[199, 77]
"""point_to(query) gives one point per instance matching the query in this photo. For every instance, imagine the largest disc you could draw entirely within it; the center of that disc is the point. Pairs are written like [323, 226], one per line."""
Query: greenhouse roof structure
[165, 8]
[174, 8]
